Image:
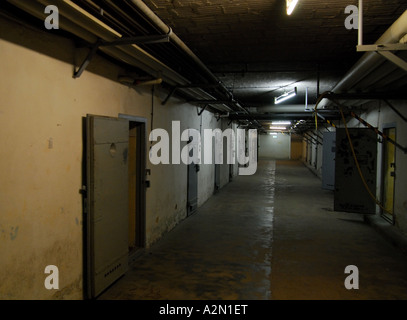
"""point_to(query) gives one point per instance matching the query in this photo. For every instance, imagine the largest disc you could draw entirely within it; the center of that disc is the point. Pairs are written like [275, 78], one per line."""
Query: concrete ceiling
[258, 51]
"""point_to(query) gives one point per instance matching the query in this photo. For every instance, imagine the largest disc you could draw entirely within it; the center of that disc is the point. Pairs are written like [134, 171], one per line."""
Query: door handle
[83, 190]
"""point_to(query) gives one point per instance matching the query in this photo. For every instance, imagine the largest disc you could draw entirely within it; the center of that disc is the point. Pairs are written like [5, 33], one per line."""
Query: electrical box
[350, 193]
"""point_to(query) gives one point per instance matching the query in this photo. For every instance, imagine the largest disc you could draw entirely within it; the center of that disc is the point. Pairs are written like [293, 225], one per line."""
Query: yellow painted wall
[41, 111]
[41, 158]
[296, 147]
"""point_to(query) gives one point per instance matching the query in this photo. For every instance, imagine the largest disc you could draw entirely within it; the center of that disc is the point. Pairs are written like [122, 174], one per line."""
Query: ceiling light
[285, 96]
[291, 5]
[281, 123]
[277, 128]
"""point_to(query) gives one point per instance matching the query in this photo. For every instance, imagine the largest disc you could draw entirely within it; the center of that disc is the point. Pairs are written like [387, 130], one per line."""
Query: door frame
[385, 216]
[141, 185]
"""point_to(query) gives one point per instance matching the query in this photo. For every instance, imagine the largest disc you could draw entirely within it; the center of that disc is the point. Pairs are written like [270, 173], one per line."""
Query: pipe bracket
[385, 51]
[119, 42]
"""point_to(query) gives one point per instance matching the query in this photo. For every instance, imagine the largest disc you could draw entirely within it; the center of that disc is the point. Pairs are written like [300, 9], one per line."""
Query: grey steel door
[107, 187]
[192, 185]
[328, 161]
[192, 188]
[350, 193]
[217, 178]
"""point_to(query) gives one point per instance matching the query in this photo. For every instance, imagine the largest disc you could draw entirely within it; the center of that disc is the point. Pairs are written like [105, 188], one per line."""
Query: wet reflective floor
[273, 235]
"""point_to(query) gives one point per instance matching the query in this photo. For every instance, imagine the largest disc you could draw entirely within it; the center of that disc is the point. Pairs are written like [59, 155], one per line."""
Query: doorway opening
[388, 174]
[137, 185]
[114, 198]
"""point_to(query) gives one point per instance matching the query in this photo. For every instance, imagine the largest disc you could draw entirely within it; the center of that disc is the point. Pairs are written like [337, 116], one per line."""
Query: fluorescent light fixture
[285, 96]
[281, 123]
[291, 6]
[273, 133]
[277, 128]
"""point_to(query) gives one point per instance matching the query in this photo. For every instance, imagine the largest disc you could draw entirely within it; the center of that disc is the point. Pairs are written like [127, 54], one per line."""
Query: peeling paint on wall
[23, 277]
[13, 232]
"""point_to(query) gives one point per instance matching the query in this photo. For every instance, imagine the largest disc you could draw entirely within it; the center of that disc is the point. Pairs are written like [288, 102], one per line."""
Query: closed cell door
[389, 174]
[107, 201]
[217, 178]
[328, 161]
[193, 168]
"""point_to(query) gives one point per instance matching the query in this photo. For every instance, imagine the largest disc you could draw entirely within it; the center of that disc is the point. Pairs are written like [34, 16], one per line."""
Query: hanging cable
[358, 166]
[320, 98]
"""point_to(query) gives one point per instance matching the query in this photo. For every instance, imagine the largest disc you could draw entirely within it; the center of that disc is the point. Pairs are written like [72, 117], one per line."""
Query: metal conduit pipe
[37, 10]
[371, 60]
[167, 30]
[281, 108]
[143, 60]
[386, 76]
[383, 75]
[378, 75]
[86, 33]
[91, 23]
[80, 23]
[85, 20]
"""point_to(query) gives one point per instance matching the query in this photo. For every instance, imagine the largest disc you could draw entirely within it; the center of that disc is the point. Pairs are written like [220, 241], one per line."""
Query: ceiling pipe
[167, 30]
[129, 81]
[281, 108]
[371, 60]
[82, 24]
[141, 6]
[87, 21]
[285, 116]
[383, 75]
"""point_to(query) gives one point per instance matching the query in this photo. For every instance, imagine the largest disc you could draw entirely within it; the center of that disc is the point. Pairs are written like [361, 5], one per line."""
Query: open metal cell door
[107, 201]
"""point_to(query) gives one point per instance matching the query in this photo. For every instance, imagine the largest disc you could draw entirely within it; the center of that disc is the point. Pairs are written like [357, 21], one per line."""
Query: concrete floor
[270, 236]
